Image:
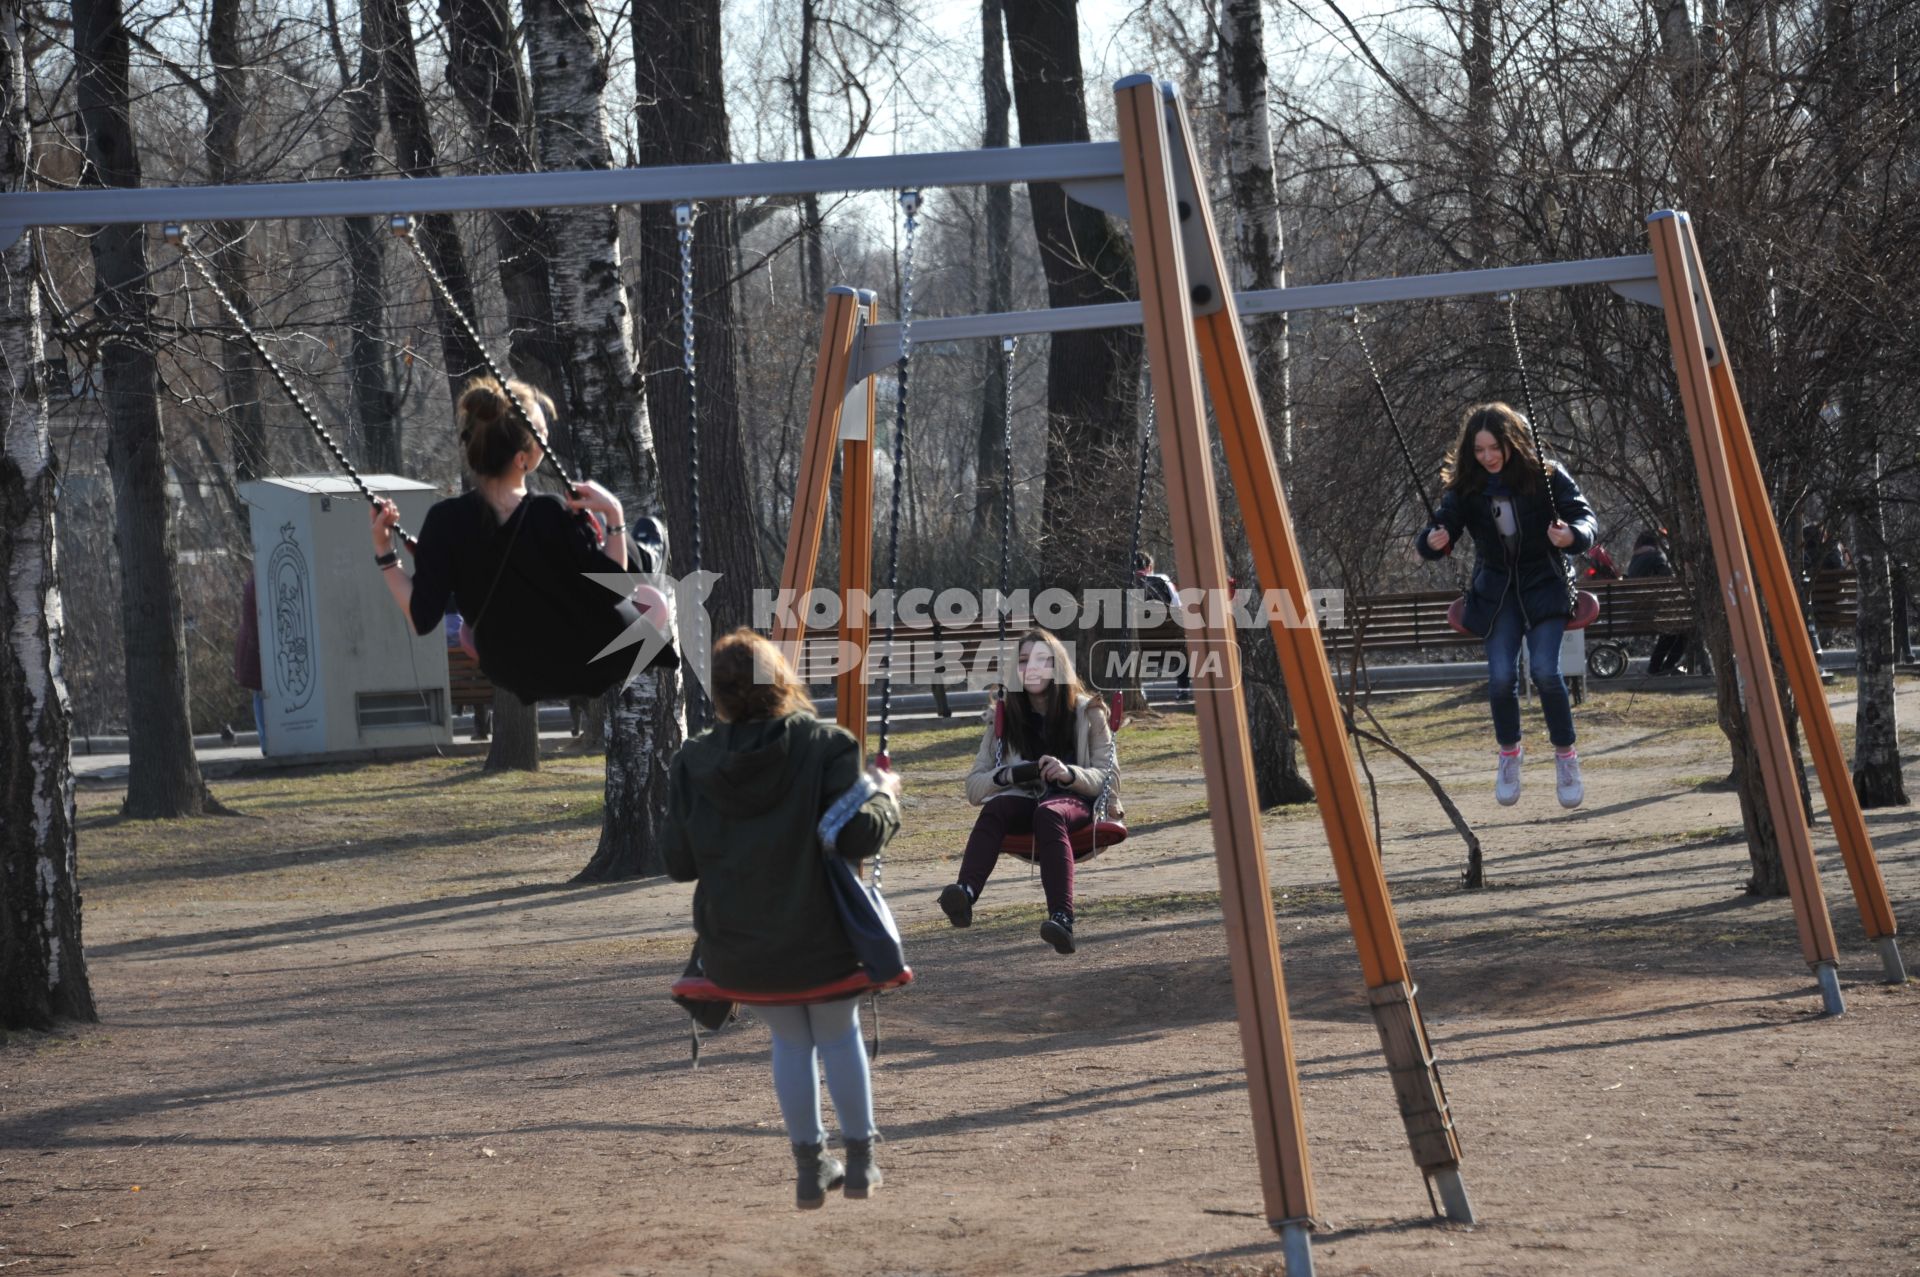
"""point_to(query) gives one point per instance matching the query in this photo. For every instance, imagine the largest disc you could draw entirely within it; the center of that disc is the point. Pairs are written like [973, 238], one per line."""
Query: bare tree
[1092, 377]
[43, 969]
[375, 408]
[678, 76]
[486, 75]
[417, 156]
[164, 776]
[226, 115]
[990, 507]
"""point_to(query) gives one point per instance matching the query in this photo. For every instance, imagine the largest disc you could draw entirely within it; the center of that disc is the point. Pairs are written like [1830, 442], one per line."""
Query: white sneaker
[1506, 781]
[1566, 780]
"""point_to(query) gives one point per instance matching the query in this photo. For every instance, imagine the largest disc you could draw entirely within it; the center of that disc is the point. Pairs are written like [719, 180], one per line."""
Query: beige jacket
[1092, 743]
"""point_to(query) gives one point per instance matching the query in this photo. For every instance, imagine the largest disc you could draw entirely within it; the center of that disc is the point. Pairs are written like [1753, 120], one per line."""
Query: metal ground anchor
[1831, 1001]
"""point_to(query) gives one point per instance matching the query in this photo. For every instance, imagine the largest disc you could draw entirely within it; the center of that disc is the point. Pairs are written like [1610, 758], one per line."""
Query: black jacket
[538, 620]
[743, 807]
[1648, 561]
[1542, 570]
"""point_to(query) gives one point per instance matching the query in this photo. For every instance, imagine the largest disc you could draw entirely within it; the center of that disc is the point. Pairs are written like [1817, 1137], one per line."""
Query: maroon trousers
[1050, 820]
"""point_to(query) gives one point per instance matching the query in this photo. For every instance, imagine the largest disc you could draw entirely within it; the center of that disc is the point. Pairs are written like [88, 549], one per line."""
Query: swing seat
[1087, 841]
[1586, 610]
[701, 989]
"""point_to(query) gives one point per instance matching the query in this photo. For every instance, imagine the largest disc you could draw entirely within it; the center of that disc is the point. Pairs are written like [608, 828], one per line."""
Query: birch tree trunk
[43, 970]
[677, 72]
[1092, 377]
[1257, 261]
[164, 776]
[594, 326]
[988, 498]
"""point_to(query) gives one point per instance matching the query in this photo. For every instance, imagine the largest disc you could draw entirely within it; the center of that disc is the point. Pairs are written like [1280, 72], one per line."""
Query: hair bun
[482, 404]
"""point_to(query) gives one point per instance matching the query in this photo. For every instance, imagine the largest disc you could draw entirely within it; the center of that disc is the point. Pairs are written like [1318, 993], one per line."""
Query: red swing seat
[1088, 841]
[1586, 610]
[702, 989]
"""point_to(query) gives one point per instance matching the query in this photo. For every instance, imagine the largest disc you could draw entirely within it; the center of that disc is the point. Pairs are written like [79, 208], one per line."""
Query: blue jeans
[805, 1037]
[1503, 674]
[260, 719]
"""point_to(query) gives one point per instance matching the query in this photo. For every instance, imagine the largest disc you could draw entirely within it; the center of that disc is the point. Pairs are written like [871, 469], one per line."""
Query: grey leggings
[804, 1037]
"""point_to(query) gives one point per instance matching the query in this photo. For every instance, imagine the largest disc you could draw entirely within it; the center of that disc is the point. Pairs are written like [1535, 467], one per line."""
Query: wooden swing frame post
[1775, 574]
[812, 486]
[1323, 733]
[856, 552]
[828, 423]
[1726, 525]
[1253, 948]
[1155, 138]
[1748, 549]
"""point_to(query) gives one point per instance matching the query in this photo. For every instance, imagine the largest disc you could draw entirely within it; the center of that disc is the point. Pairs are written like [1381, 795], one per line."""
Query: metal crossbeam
[999, 166]
[1632, 277]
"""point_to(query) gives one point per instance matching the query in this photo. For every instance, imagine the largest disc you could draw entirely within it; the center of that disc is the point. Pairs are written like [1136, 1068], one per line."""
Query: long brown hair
[491, 434]
[1463, 472]
[752, 680]
[1062, 698]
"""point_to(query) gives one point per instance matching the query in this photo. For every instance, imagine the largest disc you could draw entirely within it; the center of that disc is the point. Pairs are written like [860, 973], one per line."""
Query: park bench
[467, 687]
[1833, 599]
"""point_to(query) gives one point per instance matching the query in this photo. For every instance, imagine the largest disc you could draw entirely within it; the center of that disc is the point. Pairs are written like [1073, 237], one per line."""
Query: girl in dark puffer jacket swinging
[1524, 532]
[751, 800]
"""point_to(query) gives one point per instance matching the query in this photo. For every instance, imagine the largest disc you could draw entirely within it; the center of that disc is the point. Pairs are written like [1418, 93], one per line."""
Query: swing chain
[1008, 346]
[402, 226]
[1536, 438]
[1393, 419]
[684, 216]
[910, 205]
[1140, 501]
[174, 233]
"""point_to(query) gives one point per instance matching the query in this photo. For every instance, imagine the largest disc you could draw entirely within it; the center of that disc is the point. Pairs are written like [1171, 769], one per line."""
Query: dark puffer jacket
[1541, 571]
[744, 805]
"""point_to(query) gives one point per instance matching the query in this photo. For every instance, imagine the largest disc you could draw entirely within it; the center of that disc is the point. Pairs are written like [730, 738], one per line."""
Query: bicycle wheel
[1607, 660]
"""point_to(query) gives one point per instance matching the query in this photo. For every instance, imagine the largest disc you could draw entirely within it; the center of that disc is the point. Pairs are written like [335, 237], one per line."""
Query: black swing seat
[702, 989]
[1088, 841]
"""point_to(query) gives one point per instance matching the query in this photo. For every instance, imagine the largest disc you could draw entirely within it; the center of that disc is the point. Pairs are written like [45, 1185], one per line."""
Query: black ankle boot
[1057, 931]
[816, 1172]
[862, 1175]
[957, 903]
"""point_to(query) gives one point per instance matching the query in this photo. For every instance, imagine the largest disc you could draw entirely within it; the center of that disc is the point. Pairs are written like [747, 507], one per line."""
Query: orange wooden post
[1774, 573]
[1259, 988]
[1323, 735]
[816, 461]
[1685, 303]
[856, 552]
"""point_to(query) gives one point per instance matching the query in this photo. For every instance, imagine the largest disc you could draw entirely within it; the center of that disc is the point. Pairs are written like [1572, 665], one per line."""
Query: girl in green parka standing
[751, 801]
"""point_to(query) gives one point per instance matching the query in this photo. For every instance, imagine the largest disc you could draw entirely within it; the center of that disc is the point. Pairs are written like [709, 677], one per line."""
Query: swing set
[1151, 176]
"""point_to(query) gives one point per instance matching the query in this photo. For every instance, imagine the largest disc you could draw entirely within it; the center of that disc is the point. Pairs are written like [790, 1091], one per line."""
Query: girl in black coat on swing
[1526, 519]
[516, 564]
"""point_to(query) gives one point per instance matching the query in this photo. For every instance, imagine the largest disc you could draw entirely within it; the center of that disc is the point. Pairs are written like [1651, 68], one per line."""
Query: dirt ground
[362, 1030]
